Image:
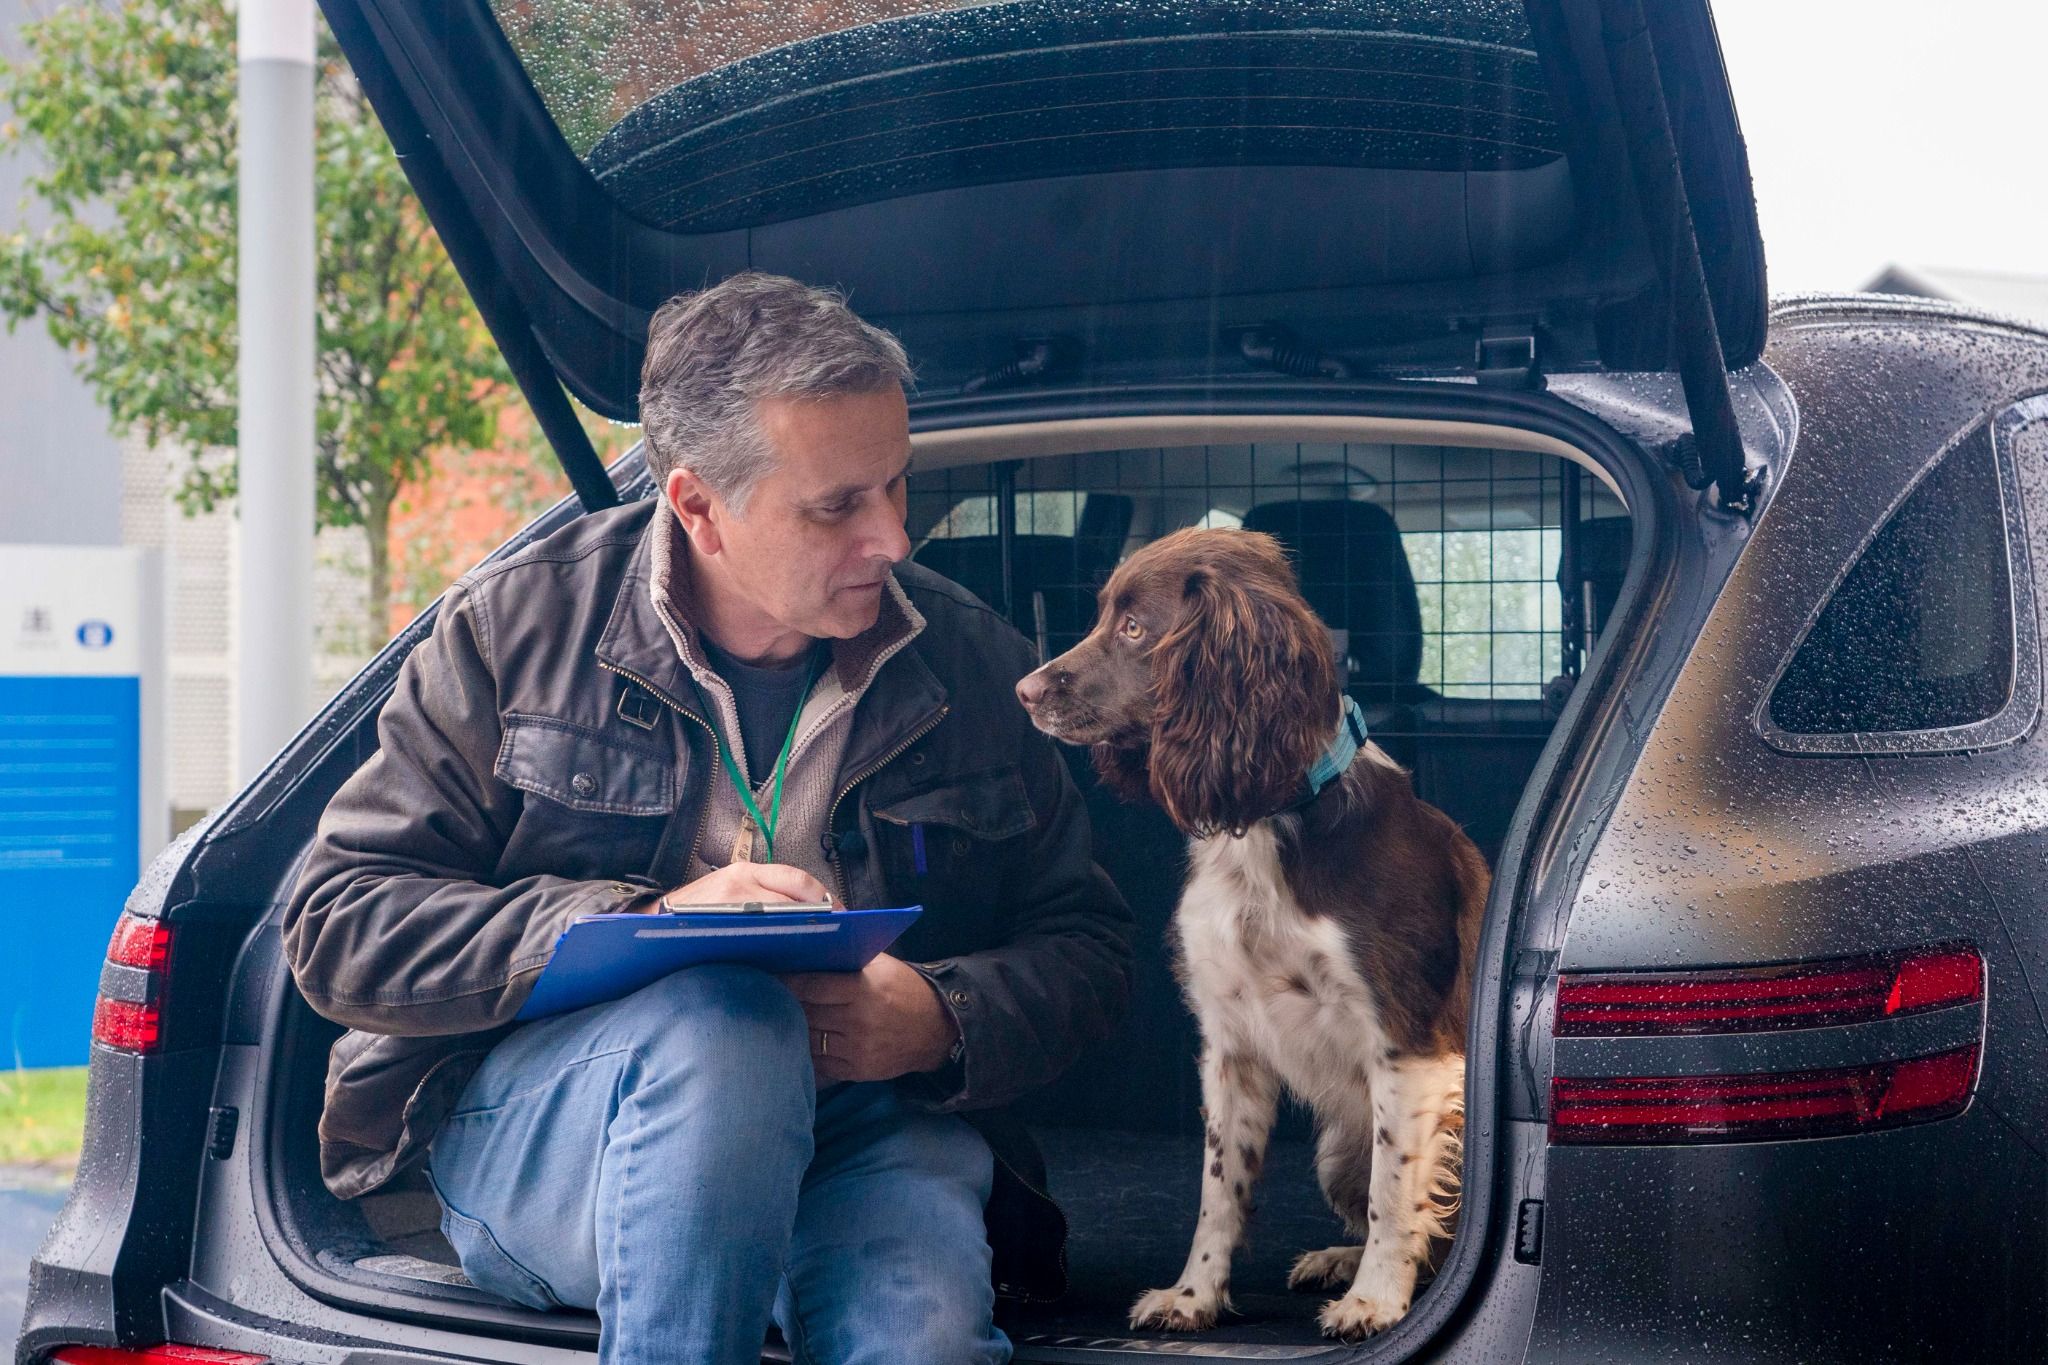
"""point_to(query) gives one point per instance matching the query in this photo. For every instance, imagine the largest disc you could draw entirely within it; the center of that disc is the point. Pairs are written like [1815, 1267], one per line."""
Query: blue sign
[69, 852]
[81, 779]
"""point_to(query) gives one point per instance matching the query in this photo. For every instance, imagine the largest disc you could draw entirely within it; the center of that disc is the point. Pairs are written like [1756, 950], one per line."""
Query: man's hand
[769, 883]
[876, 1024]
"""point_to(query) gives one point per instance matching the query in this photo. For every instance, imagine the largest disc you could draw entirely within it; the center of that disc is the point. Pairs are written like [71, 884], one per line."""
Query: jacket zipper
[703, 805]
[1014, 1291]
[832, 811]
[838, 868]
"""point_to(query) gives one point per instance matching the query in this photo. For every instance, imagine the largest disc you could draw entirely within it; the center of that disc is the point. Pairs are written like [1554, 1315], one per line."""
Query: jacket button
[583, 784]
[917, 759]
[959, 999]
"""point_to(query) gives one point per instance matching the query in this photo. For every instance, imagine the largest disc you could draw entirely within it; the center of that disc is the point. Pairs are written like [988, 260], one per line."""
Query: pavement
[29, 1199]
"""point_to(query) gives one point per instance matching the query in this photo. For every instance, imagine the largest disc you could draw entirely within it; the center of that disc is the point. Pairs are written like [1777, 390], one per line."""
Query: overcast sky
[1885, 131]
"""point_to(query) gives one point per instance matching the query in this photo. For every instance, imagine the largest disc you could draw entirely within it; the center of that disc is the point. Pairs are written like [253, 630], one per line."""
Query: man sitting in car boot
[737, 691]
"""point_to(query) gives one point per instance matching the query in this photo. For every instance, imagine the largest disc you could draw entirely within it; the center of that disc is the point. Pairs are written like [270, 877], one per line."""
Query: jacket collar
[638, 643]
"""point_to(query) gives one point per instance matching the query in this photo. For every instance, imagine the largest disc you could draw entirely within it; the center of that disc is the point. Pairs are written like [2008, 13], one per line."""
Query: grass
[42, 1115]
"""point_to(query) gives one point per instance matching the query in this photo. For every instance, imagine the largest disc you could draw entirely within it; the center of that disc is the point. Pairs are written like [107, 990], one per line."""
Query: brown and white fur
[1327, 948]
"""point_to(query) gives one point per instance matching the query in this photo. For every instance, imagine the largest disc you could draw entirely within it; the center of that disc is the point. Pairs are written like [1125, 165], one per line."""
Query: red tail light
[143, 943]
[169, 1353]
[1846, 991]
[1769, 1105]
[1772, 1104]
[126, 1025]
[130, 1024]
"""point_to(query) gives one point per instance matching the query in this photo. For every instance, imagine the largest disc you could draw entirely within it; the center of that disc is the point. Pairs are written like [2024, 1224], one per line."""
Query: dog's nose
[1031, 688]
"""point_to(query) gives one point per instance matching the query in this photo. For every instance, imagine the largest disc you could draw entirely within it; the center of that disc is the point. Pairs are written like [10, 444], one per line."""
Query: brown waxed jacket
[543, 757]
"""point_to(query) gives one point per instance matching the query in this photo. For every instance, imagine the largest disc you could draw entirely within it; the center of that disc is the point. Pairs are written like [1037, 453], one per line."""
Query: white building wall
[59, 466]
[200, 570]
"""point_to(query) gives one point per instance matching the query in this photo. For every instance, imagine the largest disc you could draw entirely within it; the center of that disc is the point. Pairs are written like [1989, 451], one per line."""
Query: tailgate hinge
[1506, 359]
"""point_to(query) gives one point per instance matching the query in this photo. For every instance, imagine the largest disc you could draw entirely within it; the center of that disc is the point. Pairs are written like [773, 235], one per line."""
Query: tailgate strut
[535, 375]
[1667, 214]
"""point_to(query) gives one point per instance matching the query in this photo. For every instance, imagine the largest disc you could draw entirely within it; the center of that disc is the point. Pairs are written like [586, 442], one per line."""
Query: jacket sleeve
[395, 926]
[1061, 979]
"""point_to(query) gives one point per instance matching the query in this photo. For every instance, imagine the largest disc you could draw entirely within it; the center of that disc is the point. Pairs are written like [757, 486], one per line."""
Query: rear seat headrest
[1355, 573]
[1066, 569]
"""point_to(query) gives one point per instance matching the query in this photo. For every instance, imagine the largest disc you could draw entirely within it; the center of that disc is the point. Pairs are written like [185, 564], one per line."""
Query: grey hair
[712, 355]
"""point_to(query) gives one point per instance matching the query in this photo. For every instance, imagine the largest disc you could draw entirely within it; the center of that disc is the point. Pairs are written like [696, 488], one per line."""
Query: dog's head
[1206, 683]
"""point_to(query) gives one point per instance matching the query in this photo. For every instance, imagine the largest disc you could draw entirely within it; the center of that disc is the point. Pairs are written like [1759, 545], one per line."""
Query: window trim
[2011, 722]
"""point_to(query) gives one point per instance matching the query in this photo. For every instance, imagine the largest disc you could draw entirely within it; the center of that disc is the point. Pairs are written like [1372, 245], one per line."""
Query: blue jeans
[665, 1160]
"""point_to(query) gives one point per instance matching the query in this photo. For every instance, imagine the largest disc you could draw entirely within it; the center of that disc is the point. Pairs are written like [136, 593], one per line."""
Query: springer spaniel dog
[1326, 933]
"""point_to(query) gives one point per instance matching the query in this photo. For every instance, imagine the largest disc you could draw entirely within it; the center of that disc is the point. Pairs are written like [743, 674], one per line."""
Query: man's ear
[694, 506]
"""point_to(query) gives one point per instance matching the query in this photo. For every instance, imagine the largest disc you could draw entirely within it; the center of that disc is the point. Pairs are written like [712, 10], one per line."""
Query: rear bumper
[1920, 1243]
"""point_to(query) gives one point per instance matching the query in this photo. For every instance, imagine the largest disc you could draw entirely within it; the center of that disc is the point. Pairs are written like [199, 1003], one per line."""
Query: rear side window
[1919, 635]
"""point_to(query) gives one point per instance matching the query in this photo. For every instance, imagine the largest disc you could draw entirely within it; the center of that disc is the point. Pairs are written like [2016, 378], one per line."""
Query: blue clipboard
[604, 957]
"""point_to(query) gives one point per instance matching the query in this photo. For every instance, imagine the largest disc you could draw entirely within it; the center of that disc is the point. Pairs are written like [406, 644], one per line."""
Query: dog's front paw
[1354, 1318]
[1179, 1309]
[1325, 1269]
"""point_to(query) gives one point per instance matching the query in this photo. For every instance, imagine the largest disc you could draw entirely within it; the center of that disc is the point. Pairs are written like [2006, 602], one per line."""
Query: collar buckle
[636, 708]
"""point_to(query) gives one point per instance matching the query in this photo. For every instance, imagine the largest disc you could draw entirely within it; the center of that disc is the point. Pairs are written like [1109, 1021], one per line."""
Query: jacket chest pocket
[595, 804]
[953, 839]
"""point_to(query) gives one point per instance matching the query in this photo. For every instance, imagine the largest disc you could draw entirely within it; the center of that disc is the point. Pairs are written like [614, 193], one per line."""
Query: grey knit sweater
[810, 781]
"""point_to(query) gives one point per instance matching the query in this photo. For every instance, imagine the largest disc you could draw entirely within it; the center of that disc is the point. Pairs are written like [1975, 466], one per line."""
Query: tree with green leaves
[129, 105]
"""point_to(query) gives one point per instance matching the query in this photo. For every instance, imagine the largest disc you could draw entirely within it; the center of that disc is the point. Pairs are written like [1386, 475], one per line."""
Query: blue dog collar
[1350, 738]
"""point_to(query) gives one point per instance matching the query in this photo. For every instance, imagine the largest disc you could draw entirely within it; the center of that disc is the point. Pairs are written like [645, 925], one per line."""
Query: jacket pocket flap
[584, 770]
[989, 805]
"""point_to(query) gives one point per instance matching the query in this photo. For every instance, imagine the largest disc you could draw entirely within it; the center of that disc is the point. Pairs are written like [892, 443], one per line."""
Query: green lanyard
[732, 769]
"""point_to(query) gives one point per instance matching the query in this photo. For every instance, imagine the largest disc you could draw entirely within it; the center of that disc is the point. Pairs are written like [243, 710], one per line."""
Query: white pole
[275, 289]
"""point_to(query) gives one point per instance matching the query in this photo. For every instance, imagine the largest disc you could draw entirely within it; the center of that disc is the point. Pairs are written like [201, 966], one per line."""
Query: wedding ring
[824, 1043]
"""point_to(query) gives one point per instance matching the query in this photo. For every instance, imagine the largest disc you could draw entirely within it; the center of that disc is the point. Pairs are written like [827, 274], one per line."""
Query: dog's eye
[1132, 630]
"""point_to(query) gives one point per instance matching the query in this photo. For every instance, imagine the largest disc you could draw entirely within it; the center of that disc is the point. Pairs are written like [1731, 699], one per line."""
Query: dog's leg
[1239, 1093]
[1344, 1154]
[1419, 1103]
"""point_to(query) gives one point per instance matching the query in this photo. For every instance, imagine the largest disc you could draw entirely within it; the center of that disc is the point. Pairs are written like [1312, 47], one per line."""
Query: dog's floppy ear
[1244, 693]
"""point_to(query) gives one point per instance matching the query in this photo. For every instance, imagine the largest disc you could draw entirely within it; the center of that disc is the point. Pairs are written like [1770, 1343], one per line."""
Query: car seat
[1062, 571]
[1469, 758]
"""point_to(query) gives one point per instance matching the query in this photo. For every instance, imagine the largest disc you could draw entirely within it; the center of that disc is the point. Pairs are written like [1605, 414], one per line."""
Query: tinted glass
[1919, 635]
[595, 61]
[713, 116]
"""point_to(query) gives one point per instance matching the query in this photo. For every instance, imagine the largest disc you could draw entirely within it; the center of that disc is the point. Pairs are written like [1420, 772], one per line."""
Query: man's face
[823, 527]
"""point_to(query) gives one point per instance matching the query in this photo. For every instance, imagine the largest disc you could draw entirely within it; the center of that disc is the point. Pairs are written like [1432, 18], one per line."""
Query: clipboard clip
[749, 908]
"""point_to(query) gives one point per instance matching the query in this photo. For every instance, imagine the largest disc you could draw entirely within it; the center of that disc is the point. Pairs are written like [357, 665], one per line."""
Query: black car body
[1754, 1069]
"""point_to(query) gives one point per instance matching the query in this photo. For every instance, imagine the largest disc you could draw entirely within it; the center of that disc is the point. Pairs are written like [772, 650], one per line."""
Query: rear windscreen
[714, 116]
[596, 61]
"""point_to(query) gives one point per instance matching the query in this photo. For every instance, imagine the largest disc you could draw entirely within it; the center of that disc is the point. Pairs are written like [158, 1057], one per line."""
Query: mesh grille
[1437, 567]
